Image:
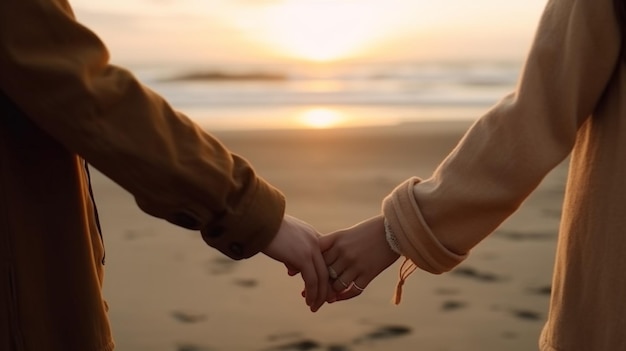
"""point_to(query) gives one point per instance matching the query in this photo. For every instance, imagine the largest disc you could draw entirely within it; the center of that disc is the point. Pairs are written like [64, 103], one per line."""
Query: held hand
[355, 256]
[296, 245]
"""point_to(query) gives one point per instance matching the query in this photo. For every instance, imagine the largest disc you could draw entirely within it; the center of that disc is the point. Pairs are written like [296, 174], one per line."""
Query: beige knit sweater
[571, 98]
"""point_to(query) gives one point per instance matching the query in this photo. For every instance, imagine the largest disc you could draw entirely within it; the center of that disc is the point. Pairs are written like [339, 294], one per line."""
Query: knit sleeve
[507, 152]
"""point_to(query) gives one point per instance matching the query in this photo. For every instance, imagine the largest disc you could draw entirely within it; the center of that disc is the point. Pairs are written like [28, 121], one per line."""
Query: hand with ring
[355, 256]
[296, 245]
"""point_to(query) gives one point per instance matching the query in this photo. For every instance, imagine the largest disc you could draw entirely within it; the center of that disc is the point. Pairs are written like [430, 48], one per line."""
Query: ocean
[282, 96]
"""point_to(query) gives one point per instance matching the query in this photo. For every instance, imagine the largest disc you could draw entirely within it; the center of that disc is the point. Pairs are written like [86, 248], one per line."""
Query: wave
[410, 84]
[220, 76]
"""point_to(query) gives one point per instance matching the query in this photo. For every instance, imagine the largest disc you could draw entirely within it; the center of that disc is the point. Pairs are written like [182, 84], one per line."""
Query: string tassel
[407, 268]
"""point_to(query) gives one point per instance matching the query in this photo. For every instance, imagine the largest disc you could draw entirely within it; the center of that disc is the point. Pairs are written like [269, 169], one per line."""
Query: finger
[326, 242]
[322, 280]
[309, 276]
[331, 296]
[359, 286]
[338, 267]
[292, 270]
[340, 285]
[348, 294]
[330, 256]
[344, 281]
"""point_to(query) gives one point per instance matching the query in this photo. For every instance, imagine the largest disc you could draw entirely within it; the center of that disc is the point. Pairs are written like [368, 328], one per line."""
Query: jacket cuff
[243, 235]
[415, 239]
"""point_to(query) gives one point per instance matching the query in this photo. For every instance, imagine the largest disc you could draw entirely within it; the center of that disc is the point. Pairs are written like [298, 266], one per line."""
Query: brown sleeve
[507, 152]
[57, 72]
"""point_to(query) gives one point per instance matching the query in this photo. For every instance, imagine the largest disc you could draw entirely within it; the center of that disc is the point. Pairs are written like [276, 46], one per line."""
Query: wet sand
[168, 291]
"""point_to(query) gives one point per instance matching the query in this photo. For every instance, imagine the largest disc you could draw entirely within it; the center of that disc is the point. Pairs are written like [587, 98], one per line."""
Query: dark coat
[63, 106]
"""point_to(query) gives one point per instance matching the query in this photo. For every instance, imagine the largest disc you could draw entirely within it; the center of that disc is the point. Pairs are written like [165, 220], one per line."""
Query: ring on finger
[332, 273]
[343, 283]
[356, 286]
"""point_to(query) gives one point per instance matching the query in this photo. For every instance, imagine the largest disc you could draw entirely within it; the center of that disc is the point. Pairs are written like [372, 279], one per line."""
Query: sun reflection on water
[321, 118]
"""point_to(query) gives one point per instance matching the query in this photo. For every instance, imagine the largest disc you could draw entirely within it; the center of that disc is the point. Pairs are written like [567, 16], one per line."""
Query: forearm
[57, 73]
[507, 153]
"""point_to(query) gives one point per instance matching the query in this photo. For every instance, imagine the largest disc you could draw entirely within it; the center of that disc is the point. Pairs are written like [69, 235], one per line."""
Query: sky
[192, 31]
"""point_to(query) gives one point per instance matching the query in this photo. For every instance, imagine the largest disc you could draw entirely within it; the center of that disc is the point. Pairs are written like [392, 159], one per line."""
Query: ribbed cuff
[415, 239]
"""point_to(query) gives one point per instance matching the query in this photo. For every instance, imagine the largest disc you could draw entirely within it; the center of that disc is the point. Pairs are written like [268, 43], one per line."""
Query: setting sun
[321, 118]
[322, 30]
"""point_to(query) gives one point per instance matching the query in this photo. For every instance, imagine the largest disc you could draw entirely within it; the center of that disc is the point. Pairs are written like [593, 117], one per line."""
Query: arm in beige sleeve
[57, 72]
[507, 152]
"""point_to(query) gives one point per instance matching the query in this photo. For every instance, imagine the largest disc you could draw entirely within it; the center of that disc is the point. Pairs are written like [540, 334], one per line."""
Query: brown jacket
[571, 99]
[63, 105]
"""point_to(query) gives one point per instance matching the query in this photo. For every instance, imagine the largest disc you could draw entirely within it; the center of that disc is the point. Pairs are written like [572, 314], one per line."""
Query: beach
[168, 291]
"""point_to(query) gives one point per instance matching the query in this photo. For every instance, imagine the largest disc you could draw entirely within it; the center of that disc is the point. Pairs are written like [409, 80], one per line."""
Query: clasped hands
[337, 266]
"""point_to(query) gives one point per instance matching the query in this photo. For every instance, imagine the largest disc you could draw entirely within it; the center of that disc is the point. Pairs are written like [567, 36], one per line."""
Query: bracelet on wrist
[391, 238]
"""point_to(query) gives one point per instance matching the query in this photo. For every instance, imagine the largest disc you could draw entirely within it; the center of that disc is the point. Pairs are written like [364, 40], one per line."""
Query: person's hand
[297, 246]
[355, 256]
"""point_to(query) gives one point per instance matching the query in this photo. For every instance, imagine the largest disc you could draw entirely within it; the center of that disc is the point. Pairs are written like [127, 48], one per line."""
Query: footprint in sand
[188, 318]
[385, 332]
[527, 315]
[337, 348]
[299, 344]
[545, 290]
[221, 265]
[447, 291]
[302, 345]
[382, 333]
[246, 283]
[475, 274]
[520, 236]
[453, 305]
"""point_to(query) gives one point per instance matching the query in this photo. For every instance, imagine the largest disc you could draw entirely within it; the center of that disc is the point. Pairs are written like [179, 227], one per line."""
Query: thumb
[326, 241]
[292, 270]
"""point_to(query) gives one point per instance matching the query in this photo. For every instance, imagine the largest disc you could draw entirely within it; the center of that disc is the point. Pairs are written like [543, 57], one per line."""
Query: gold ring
[357, 287]
[332, 273]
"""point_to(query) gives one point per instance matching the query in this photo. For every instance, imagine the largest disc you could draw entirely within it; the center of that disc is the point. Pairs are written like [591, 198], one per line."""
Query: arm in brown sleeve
[507, 152]
[57, 72]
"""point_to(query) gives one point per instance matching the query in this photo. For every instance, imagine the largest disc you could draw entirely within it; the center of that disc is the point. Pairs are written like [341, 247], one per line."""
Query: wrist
[392, 241]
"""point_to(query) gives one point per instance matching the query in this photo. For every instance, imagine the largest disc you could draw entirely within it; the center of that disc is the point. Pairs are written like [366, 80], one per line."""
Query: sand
[167, 290]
